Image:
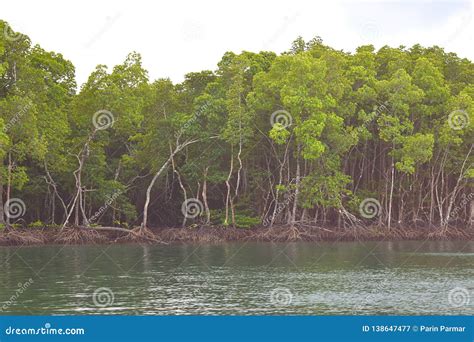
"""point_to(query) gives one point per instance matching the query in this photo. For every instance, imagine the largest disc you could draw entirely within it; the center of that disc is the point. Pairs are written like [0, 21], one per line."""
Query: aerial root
[16, 237]
[449, 232]
[294, 234]
[141, 234]
[78, 235]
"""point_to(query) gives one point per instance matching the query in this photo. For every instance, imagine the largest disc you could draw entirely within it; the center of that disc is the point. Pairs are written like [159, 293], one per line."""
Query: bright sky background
[179, 36]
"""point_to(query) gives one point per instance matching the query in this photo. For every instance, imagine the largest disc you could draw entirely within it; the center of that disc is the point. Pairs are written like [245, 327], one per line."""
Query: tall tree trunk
[280, 180]
[228, 198]
[455, 190]
[77, 202]
[204, 197]
[116, 176]
[177, 149]
[9, 180]
[237, 185]
[297, 185]
[148, 193]
[181, 185]
[432, 203]
[390, 201]
[49, 180]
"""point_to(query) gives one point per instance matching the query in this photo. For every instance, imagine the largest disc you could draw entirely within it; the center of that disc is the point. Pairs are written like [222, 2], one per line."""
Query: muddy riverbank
[108, 235]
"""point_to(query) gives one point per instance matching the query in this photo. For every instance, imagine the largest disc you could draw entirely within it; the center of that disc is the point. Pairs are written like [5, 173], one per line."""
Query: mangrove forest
[311, 139]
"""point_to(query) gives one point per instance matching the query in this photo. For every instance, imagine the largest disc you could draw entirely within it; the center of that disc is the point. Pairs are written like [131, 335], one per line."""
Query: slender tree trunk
[227, 183]
[455, 190]
[9, 180]
[181, 185]
[116, 176]
[53, 208]
[280, 180]
[297, 185]
[390, 202]
[204, 196]
[148, 193]
[237, 185]
[77, 202]
[76, 210]
[49, 180]
[432, 186]
[177, 149]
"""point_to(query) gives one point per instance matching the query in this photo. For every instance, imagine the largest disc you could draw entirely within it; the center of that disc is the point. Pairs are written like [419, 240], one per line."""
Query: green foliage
[244, 221]
[279, 133]
[243, 218]
[379, 123]
[37, 224]
[417, 148]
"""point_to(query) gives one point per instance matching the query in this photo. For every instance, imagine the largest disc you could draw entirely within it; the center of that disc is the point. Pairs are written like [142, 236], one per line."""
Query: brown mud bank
[114, 235]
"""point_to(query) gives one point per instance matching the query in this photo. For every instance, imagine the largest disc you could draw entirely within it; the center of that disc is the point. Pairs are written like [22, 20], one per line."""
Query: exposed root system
[140, 235]
[214, 234]
[73, 236]
[21, 237]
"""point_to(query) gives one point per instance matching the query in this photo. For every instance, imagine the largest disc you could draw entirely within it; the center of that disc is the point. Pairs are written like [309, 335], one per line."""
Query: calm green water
[240, 278]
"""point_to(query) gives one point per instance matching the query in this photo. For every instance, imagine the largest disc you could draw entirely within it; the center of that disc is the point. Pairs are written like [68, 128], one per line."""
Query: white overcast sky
[179, 36]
